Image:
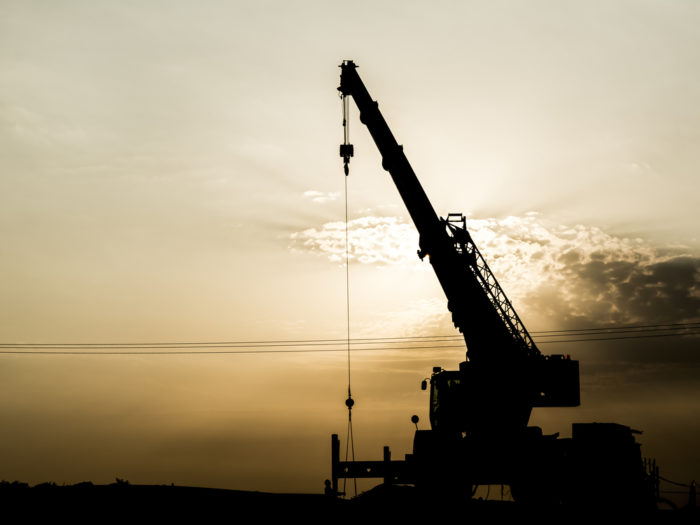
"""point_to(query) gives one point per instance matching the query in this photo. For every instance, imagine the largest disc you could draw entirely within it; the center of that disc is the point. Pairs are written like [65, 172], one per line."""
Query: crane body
[479, 413]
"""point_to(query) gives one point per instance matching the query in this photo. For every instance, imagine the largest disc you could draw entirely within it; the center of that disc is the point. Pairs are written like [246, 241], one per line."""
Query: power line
[187, 350]
[619, 327]
[677, 328]
[365, 340]
[617, 338]
[207, 352]
[620, 331]
[677, 483]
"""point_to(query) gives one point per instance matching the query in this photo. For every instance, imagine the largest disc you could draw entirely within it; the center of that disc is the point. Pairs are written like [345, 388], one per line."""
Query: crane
[479, 414]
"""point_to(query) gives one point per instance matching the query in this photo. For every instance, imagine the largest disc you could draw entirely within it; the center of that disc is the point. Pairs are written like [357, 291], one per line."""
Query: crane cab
[493, 397]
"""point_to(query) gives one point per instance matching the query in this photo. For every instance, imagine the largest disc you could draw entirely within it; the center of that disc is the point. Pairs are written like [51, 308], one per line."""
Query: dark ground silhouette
[87, 502]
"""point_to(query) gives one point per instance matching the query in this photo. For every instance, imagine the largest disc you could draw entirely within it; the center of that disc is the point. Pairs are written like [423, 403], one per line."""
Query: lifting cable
[346, 151]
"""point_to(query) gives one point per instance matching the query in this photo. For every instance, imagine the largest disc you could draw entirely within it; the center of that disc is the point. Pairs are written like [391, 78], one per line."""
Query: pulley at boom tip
[348, 63]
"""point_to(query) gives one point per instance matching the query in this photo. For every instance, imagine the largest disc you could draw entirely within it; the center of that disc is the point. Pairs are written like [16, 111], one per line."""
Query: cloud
[582, 275]
[371, 240]
[321, 197]
[578, 275]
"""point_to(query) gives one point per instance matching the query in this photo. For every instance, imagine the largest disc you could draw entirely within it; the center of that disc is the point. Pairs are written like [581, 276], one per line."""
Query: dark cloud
[641, 291]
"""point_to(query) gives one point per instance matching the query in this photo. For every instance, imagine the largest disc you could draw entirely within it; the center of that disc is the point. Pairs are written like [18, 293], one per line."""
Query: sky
[169, 172]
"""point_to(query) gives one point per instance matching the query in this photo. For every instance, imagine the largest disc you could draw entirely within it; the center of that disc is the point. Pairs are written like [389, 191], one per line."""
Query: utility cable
[330, 345]
[621, 328]
[330, 342]
[269, 343]
[206, 350]
[678, 484]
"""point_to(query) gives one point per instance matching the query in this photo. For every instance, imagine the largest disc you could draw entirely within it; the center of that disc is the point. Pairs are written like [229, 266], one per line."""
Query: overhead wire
[612, 329]
[304, 346]
[687, 330]
[680, 328]
[314, 343]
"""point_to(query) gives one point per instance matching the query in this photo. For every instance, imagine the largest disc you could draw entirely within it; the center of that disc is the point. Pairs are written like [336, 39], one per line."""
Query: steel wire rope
[349, 402]
[347, 267]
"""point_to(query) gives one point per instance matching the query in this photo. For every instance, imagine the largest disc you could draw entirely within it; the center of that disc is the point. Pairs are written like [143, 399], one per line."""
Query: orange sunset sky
[169, 172]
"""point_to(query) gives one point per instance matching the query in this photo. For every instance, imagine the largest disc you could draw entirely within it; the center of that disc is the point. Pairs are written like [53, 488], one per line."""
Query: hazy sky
[169, 172]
